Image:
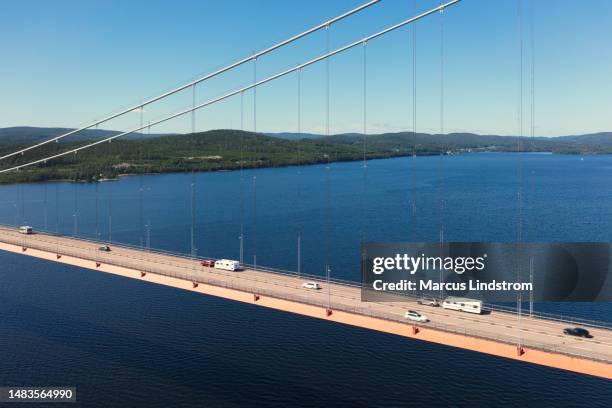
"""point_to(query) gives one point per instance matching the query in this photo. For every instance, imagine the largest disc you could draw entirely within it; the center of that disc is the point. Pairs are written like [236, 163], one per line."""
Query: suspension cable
[22, 220]
[364, 198]
[327, 178]
[46, 212]
[255, 165]
[148, 225]
[241, 237]
[204, 78]
[248, 87]
[413, 206]
[532, 174]
[441, 162]
[140, 184]
[110, 213]
[76, 210]
[299, 175]
[193, 178]
[97, 211]
[519, 223]
[22, 205]
[57, 217]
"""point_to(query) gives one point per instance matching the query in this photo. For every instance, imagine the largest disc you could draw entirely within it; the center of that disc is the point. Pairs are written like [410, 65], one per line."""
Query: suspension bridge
[534, 337]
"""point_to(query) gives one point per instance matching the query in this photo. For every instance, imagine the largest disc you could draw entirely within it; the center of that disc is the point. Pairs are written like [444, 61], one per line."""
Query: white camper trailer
[463, 304]
[227, 265]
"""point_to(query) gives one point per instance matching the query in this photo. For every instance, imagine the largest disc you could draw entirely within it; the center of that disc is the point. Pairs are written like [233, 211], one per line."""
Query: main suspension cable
[248, 87]
[197, 81]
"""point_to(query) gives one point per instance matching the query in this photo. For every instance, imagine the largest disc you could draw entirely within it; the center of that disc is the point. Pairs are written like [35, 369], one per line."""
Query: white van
[227, 265]
[311, 285]
[463, 304]
[25, 229]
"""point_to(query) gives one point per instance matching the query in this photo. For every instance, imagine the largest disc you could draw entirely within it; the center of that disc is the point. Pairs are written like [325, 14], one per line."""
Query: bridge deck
[483, 332]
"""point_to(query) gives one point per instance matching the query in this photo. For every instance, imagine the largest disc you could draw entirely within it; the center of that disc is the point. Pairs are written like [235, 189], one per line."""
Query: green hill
[232, 149]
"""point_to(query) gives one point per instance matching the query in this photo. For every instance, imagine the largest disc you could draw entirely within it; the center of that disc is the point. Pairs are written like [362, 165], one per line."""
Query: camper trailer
[227, 265]
[463, 304]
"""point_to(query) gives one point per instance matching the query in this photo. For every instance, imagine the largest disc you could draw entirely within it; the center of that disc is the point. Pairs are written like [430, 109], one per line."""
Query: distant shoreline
[233, 169]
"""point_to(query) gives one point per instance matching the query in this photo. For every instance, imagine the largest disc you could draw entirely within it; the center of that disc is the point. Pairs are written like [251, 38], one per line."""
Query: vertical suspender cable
[110, 212]
[76, 209]
[241, 237]
[327, 178]
[193, 177]
[97, 205]
[441, 163]
[57, 223]
[97, 216]
[46, 214]
[413, 207]
[519, 223]
[193, 182]
[364, 192]
[141, 237]
[140, 184]
[532, 174]
[148, 226]
[23, 220]
[298, 205]
[254, 171]
[22, 205]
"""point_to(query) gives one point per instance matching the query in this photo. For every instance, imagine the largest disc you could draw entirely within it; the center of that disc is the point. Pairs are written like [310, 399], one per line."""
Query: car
[104, 248]
[428, 302]
[25, 229]
[416, 316]
[578, 332]
[208, 262]
[311, 285]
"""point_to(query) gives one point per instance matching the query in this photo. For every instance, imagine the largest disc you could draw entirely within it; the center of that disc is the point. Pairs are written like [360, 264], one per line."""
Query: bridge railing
[249, 284]
[486, 306]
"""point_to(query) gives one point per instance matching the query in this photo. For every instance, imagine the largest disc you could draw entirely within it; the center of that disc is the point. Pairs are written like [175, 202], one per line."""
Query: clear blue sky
[65, 63]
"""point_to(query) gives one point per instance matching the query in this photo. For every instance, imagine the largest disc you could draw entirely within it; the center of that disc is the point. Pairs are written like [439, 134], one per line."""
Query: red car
[208, 262]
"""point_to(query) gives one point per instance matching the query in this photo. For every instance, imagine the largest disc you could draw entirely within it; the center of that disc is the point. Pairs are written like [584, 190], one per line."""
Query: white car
[416, 316]
[311, 285]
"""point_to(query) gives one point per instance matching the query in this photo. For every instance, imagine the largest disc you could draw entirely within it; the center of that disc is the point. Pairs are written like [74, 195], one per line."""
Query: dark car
[578, 332]
[208, 262]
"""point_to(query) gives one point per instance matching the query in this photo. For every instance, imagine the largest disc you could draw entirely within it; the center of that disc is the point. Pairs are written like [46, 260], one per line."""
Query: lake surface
[122, 341]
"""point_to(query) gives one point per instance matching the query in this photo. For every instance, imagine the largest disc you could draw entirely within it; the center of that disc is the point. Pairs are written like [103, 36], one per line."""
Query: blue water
[123, 341]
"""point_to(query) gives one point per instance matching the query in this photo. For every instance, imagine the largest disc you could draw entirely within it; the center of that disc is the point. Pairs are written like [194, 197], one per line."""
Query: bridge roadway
[541, 340]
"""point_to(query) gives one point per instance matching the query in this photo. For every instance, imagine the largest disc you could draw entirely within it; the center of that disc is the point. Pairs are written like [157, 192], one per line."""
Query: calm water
[122, 341]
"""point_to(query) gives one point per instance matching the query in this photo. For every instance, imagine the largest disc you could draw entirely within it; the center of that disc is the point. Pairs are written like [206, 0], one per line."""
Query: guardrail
[248, 284]
[186, 257]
